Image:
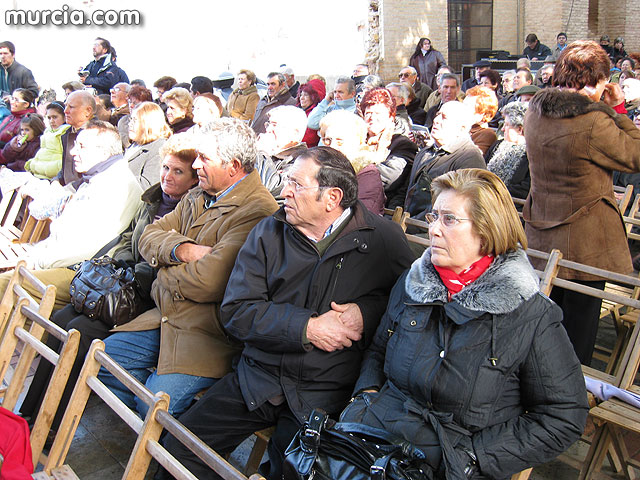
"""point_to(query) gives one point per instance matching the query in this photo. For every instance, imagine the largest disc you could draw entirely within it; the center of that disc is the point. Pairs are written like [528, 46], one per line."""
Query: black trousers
[66, 318]
[581, 314]
[221, 419]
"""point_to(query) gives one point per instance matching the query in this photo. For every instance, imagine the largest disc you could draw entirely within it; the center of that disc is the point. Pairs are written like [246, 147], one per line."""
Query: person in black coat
[471, 363]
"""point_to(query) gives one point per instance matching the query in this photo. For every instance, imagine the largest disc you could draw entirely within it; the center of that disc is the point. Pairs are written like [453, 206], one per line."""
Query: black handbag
[325, 450]
[106, 290]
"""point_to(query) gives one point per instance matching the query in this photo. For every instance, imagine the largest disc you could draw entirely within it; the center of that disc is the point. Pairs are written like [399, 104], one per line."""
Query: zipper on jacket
[338, 267]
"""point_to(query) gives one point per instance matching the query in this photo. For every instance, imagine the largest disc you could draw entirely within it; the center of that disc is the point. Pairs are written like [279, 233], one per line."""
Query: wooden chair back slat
[31, 344]
[627, 195]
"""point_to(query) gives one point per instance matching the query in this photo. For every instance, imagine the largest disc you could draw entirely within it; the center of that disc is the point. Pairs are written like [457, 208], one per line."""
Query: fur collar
[558, 103]
[507, 283]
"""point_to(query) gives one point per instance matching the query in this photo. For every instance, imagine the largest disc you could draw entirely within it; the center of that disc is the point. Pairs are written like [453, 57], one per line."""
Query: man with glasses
[305, 296]
[409, 75]
[194, 248]
[452, 149]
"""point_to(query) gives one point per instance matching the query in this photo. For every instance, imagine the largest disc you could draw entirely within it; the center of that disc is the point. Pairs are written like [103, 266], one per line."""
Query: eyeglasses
[288, 181]
[404, 75]
[447, 219]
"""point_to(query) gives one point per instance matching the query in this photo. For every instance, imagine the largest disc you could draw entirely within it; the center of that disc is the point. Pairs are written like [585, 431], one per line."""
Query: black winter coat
[279, 281]
[492, 370]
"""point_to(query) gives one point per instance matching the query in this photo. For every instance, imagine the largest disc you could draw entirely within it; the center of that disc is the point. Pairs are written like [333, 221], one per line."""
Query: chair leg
[597, 451]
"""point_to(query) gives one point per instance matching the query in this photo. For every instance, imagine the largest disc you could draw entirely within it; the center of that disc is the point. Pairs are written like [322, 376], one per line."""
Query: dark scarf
[167, 204]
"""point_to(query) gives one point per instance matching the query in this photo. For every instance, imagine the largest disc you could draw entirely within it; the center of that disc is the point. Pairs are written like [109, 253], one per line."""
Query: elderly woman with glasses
[470, 362]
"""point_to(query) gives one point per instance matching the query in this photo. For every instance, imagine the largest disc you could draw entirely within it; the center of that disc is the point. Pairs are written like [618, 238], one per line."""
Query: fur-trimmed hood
[504, 286]
[558, 103]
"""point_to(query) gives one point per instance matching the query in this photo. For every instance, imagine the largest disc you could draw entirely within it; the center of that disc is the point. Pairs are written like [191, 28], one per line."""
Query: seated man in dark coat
[452, 150]
[305, 296]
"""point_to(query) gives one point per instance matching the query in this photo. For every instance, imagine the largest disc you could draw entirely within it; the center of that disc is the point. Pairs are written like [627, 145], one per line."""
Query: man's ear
[334, 197]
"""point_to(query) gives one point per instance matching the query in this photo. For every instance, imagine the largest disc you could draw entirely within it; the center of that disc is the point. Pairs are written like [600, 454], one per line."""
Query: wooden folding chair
[22, 278]
[623, 197]
[31, 344]
[148, 430]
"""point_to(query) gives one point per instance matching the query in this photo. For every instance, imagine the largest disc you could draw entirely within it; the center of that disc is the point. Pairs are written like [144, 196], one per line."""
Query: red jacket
[10, 126]
[14, 447]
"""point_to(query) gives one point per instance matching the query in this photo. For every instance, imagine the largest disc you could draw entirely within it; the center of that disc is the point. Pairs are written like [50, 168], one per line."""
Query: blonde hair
[151, 123]
[182, 97]
[491, 208]
[182, 146]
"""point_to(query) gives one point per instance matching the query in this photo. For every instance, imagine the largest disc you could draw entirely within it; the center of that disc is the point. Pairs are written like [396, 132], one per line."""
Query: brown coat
[242, 103]
[573, 146]
[188, 295]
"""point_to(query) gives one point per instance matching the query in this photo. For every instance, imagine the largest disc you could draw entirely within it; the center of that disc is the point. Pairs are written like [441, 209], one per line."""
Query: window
[470, 30]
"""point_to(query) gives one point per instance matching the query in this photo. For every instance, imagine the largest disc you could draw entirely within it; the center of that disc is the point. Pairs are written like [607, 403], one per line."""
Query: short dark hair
[139, 93]
[531, 38]
[166, 83]
[335, 171]
[492, 75]
[27, 95]
[563, 34]
[9, 45]
[280, 76]
[581, 63]
[527, 72]
[633, 62]
[201, 85]
[55, 105]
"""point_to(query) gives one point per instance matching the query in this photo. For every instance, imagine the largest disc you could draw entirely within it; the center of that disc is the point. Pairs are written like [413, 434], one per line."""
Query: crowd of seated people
[271, 273]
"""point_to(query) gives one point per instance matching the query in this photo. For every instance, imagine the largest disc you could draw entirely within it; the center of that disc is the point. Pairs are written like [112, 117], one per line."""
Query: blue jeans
[137, 352]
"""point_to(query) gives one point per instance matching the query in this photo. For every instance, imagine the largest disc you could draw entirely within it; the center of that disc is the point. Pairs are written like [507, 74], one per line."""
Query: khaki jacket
[242, 103]
[188, 295]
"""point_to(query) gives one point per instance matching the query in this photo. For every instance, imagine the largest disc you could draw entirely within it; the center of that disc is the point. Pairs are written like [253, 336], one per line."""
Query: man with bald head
[79, 110]
[452, 150]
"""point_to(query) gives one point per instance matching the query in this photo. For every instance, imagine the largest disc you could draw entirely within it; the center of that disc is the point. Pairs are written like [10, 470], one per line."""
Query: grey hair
[450, 76]
[280, 76]
[292, 118]
[234, 141]
[86, 99]
[403, 90]
[126, 86]
[108, 137]
[351, 85]
[515, 111]
[509, 72]
[372, 81]
[411, 69]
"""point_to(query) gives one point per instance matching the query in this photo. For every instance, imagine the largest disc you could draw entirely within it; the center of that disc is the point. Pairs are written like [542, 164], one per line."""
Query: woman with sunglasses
[470, 362]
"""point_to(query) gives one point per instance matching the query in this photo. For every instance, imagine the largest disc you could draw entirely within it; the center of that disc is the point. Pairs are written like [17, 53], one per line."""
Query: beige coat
[188, 295]
[242, 103]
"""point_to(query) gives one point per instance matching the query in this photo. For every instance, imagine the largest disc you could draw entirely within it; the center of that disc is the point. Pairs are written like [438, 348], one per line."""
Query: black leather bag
[106, 290]
[326, 450]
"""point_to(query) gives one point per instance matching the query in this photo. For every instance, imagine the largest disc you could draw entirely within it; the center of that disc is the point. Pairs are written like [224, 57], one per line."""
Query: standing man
[535, 50]
[478, 67]
[342, 97]
[277, 95]
[194, 248]
[13, 74]
[409, 75]
[102, 73]
[305, 297]
[561, 42]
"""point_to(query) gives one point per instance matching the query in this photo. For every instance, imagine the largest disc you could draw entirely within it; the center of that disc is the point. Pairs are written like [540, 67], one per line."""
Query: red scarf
[457, 281]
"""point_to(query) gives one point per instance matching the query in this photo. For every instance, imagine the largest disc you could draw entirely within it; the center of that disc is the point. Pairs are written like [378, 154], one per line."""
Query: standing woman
[244, 99]
[574, 143]
[427, 60]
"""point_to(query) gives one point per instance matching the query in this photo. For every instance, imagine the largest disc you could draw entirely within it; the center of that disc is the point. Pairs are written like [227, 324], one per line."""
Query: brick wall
[402, 24]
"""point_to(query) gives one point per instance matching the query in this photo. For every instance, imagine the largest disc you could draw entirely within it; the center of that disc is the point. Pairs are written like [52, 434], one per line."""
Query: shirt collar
[337, 222]
[210, 200]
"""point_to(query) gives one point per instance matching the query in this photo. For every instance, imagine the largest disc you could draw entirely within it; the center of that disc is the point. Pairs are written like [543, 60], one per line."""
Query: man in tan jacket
[194, 248]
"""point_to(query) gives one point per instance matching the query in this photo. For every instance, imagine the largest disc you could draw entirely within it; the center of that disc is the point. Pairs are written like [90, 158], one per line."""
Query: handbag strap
[379, 434]
[378, 470]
